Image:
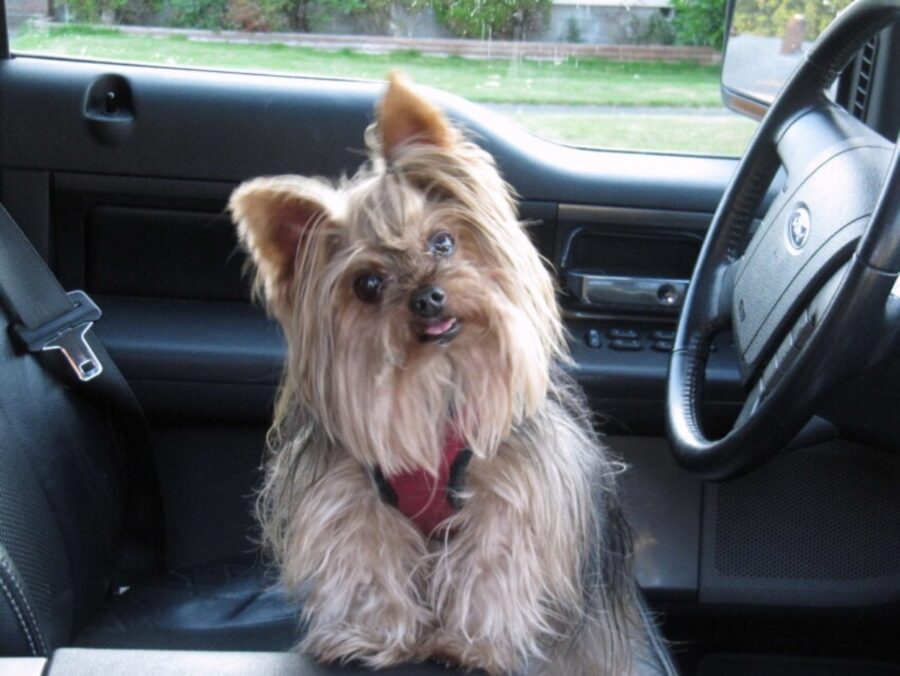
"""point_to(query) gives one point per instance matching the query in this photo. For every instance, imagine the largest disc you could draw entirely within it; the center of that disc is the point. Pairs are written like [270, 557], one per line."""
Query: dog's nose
[428, 302]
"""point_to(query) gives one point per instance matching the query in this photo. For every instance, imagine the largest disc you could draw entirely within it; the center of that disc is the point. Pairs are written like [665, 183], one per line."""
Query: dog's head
[410, 295]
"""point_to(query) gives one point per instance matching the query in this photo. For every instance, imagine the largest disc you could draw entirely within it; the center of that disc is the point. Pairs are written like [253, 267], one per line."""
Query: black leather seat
[228, 605]
[62, 494]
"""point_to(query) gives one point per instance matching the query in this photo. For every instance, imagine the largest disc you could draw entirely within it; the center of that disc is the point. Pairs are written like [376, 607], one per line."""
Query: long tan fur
[532, 572]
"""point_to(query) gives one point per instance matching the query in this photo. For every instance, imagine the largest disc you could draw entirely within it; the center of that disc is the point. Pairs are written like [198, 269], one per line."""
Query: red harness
[426, 500]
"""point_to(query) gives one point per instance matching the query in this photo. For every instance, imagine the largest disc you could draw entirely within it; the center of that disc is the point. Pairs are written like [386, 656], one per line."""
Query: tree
[700, 22]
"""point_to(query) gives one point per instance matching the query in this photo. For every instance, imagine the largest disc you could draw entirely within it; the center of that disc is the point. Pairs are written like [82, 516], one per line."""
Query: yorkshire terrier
[434, 489]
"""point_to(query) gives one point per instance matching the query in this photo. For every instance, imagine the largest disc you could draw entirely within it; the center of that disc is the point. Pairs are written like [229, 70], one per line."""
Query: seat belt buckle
[66, 333]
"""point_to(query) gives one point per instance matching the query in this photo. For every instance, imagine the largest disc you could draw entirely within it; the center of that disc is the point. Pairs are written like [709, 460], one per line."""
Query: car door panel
[136, 216]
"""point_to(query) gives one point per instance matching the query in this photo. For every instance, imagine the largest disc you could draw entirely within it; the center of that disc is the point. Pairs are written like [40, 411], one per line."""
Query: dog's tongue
[440, 328]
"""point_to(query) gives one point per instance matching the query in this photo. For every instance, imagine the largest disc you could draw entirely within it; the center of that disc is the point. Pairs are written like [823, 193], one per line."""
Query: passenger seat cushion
[62, 488]
[236, 605]
[18, 624]
[232, 605]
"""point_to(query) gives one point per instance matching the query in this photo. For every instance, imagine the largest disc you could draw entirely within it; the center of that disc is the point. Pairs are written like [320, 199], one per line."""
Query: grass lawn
[572, 82]
[699, 134]
[569, 82]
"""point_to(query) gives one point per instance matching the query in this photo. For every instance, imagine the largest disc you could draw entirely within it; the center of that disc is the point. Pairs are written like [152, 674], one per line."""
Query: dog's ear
[275, 218]
[404, 116]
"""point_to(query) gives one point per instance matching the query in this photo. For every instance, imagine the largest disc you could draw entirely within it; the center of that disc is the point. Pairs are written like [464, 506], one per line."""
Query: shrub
[244, 15]
[199, 13]
[492, 18]
[658, 30]
[573, 30]
[93, 11]
[258, 15]
[699, 22]
[655, 29]
[371, 15]
[138, 11]
[274, 15]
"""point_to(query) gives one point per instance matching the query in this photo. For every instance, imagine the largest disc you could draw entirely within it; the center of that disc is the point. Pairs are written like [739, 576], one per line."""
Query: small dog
[435, 489]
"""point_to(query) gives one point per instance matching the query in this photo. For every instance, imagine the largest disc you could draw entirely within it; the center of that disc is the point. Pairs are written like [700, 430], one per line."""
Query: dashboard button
[661, 334]
[622, 333]
[592, 338]
[662, 346]
[626, 345]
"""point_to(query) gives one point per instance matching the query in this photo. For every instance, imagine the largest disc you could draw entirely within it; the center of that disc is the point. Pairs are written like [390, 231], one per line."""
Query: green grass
[568, 82]
[700, 135]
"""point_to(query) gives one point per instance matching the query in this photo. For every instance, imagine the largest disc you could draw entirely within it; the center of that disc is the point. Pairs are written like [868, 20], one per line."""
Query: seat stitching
[15, 582]
[22, 623]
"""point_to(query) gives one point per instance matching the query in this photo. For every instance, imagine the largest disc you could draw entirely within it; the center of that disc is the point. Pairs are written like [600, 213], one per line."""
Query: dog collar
[424, 499]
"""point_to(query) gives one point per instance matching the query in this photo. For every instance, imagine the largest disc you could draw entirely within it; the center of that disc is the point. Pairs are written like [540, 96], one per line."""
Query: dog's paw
[457, 651]
[373, 646]
[436, 650]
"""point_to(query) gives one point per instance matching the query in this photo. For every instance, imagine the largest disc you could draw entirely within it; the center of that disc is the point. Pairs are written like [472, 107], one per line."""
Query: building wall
[27, 7]
[597, 24]
[19, 11]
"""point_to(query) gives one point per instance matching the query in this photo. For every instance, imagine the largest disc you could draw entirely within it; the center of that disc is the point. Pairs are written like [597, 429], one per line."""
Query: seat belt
[46, 318]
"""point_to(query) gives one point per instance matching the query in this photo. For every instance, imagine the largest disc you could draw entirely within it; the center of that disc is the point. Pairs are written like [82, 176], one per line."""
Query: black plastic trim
[4, 32]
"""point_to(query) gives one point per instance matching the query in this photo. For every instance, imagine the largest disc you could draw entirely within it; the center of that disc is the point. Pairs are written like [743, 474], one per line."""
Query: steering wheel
[809, 296]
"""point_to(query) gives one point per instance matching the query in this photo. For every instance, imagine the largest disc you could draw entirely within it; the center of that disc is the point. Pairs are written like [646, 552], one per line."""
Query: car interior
[751, 386]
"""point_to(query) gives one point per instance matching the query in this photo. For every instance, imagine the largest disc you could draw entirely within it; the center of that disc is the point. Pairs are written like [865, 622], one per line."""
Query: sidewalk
[483, 49]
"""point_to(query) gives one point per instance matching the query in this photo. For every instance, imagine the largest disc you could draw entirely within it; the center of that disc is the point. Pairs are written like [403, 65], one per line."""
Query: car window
[637, 75]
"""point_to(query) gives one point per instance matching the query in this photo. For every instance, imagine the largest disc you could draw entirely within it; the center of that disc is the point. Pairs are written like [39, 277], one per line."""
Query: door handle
[657, 292]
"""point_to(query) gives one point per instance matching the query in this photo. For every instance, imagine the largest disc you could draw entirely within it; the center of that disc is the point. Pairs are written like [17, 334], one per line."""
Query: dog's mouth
[441, 330]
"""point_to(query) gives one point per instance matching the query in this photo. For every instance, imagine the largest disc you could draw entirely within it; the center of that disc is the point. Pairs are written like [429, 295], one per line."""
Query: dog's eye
[442, 244]
[368, 287]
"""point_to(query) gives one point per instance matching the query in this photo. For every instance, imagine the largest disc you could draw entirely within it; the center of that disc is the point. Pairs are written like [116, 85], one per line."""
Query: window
[598, 73]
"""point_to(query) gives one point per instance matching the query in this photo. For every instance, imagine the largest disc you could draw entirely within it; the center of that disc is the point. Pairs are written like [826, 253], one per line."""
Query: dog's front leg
[358, 560]
[504, 583]
[489, 594]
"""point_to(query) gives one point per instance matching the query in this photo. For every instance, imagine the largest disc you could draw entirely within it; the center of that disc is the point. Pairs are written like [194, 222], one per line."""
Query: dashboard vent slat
[859, 101]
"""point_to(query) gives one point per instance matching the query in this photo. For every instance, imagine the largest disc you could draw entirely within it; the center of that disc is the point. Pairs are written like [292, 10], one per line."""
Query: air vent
[859, 101]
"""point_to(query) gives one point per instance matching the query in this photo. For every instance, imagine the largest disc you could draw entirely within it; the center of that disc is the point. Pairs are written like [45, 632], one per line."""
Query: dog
[434, 488]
